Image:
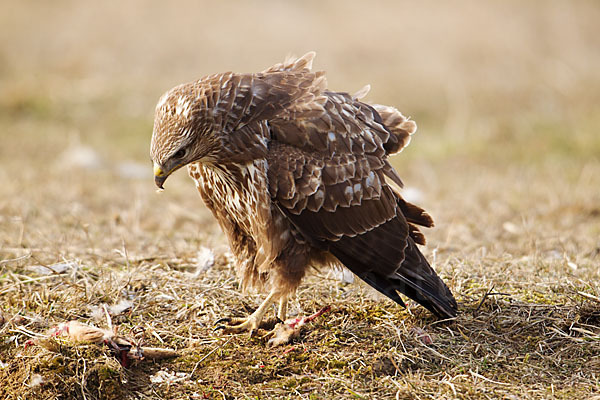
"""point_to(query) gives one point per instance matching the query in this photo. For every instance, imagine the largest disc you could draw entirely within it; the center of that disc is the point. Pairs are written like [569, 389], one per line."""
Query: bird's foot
[239, 325]
[250, 324]
[285, 332]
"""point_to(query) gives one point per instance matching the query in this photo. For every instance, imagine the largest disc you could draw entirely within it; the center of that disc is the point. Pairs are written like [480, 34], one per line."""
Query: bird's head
[182, 131]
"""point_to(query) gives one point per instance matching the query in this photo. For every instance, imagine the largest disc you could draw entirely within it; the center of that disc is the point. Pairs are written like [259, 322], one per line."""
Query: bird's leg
[250, 324]
[282, 309]
[290, 329]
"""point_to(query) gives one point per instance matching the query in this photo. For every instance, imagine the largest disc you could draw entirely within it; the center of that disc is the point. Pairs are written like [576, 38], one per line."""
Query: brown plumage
[298, 176]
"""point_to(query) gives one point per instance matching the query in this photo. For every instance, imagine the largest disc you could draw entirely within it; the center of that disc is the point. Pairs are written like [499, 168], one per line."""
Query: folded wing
[327, 173]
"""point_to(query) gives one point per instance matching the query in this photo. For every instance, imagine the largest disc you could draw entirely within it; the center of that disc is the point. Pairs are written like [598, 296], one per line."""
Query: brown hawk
[298, 176]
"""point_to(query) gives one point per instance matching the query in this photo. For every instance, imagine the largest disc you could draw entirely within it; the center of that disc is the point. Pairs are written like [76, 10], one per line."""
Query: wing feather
[347, 208]
[327, 167]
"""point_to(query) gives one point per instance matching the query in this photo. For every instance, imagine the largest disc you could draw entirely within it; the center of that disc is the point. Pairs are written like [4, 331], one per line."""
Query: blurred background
[506, 95]
[472, 74]
[506, 159]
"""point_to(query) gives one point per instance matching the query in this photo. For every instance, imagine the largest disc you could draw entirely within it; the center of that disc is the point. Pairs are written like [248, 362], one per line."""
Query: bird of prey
[298, 176]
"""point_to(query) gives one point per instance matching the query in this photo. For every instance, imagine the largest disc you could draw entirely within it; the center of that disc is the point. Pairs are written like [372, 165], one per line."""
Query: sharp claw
[223, 327]
[226, 319]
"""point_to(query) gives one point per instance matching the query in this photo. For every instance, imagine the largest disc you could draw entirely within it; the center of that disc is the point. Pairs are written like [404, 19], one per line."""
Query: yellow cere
[158, 170]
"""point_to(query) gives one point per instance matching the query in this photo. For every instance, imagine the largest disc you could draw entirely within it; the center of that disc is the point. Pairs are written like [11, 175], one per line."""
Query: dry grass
[506, 160]
[523, 329]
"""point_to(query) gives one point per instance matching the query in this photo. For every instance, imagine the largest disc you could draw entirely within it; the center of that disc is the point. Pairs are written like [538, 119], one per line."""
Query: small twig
[589, 296]
[156, 335]
[208, 355]
[475, 374]
[437, 353]
[26, 332]
[23, 257]
[108, 318]
[84, 380]
[36, 279]
[485, 296]
[10, 321]
[563, 334]
[590, 334]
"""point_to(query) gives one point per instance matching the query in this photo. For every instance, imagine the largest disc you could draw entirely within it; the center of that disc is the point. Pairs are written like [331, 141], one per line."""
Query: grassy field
[506, 159]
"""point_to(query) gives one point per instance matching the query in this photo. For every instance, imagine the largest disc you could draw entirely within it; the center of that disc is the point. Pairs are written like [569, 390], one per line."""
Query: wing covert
[328, 198]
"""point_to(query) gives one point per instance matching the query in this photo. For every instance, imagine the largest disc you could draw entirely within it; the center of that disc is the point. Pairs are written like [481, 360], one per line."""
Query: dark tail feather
[415, 278]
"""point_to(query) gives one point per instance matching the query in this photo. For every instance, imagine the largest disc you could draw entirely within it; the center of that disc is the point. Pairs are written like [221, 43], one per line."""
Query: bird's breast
[236, 192]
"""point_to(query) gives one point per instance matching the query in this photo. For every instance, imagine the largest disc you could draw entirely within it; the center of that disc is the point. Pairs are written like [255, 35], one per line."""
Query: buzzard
[298, 176]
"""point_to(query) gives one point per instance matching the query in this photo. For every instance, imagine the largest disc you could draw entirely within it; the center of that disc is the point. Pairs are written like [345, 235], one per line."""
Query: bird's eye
[180, 153]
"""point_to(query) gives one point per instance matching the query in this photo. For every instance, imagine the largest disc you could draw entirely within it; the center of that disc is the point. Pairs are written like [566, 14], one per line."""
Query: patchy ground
[526, 282]
[506, 160]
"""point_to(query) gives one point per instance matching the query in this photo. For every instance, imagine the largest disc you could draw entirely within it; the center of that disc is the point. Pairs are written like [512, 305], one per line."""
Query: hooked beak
[159, 176]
